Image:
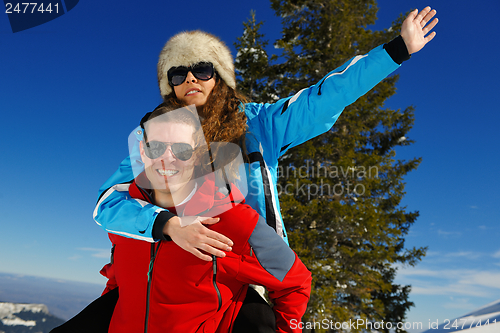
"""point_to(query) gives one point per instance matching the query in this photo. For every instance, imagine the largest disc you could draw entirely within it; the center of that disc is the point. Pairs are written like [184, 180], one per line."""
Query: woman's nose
[190, 77]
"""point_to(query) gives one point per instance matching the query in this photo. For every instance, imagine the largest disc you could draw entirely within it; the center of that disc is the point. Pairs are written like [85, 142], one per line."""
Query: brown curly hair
[225, 119]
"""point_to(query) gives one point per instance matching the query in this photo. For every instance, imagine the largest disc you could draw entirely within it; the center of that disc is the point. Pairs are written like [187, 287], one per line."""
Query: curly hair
[225, 119]
[225, 122]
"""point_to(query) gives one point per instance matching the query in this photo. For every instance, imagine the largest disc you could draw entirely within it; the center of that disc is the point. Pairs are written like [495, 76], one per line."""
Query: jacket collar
[209, 200]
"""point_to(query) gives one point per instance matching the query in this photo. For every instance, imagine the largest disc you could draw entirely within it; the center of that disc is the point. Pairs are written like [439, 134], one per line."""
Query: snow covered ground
[8, 313]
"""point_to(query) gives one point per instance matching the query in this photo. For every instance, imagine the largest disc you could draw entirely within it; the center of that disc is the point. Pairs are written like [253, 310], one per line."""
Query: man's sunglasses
[181, 151]
[202, 71]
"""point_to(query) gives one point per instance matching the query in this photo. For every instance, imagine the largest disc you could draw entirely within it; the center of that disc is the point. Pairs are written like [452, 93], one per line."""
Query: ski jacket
[272, 130]
[187, 294]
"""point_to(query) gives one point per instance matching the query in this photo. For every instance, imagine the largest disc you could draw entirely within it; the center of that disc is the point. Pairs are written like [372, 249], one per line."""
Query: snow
[8, 313]
[256, 53]
[18, 321]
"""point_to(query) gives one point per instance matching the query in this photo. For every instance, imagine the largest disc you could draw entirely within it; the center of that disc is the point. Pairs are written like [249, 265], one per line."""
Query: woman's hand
[191, 235]
[415, 28]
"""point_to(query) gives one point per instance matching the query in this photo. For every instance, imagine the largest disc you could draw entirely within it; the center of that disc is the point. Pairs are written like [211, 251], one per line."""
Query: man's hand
[415, 28]
[190, 234]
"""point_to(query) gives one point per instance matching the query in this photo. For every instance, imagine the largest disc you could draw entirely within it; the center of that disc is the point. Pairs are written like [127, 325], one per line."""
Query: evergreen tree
[252, 63]
[342, 204]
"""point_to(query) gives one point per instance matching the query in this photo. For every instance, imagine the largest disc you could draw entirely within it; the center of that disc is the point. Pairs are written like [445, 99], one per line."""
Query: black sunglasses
[202, 71]
[181, 151]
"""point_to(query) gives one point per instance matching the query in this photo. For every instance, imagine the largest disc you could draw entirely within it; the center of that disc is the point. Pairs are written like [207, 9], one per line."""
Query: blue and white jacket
[272, 130]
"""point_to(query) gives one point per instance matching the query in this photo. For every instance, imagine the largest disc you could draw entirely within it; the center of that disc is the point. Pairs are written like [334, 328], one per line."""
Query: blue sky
[71, 91]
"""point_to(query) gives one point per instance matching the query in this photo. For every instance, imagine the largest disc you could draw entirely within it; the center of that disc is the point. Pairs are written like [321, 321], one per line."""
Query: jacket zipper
[154, 251]
[214, 266]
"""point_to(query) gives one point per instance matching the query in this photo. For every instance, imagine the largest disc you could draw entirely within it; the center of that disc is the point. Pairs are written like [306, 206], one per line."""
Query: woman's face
[194, 91]
[167, 173]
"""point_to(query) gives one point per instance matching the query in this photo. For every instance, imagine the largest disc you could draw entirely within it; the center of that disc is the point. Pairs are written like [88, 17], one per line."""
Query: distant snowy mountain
[26, 318]
[63, 298]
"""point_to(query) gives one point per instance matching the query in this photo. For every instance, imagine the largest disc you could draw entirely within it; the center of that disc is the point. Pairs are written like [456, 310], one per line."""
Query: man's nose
[168, 155]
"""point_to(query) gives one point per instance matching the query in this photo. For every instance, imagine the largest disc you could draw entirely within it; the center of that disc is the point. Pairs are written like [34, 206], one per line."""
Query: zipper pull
[214, 266]
[150, 269]
[152, 261]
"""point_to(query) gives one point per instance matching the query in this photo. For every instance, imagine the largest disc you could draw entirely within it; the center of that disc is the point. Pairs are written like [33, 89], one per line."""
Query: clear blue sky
[71, 91]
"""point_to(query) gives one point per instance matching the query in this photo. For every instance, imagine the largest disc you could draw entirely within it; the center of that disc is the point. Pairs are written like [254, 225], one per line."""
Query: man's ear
[197, 161]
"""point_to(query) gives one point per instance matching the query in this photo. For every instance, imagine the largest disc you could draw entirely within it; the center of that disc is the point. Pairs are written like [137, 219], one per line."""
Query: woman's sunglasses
[181, 151]
[202, 71]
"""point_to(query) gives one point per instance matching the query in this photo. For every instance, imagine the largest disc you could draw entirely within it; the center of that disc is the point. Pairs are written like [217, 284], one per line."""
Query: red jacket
[187, 294]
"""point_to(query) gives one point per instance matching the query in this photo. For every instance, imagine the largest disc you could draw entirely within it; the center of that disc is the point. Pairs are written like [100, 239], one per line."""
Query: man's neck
[167, 199]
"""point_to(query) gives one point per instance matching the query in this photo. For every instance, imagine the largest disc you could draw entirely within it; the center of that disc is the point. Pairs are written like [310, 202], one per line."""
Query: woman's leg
[255, 315]
[94, 318]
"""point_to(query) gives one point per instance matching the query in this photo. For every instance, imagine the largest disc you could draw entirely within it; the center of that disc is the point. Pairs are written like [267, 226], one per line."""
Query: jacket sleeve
[274, 265]
[118, 213]
[313, 111]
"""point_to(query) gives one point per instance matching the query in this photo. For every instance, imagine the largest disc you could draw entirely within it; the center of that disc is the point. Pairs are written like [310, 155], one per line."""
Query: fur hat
[190, 47]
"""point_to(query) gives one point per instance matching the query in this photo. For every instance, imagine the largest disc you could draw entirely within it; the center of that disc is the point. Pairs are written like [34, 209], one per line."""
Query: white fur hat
[190, 47]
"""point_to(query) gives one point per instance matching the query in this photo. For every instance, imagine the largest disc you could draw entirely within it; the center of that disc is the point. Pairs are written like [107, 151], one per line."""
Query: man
[184, 293]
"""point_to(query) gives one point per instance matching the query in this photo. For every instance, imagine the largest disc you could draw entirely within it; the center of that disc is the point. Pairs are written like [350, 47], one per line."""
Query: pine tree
[253, 64]
[344, 188]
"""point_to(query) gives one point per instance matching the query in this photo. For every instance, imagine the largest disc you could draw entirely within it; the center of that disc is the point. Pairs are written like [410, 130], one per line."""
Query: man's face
[167, 173]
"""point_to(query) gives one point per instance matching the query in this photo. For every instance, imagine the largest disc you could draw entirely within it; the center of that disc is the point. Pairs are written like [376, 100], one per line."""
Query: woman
[197, 68]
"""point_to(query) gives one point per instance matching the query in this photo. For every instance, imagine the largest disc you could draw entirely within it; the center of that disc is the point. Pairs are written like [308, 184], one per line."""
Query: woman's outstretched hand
[415, 29]
[190, 234]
